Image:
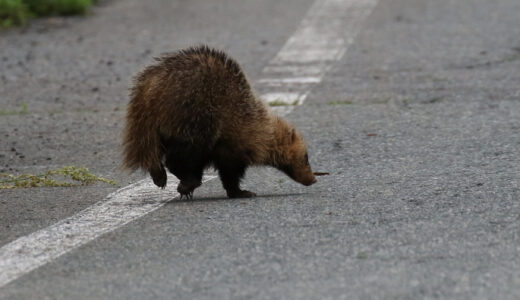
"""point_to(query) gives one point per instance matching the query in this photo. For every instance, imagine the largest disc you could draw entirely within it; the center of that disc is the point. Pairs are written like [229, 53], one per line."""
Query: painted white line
[286, 98]
[293, 80]
[293, 70]
[325, 33]
[119, 208]
[321, 39]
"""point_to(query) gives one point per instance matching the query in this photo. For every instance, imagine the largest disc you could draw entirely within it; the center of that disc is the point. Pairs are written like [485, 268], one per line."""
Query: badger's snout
[310, 182]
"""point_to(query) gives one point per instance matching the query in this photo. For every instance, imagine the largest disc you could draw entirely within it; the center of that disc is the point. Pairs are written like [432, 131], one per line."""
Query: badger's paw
[186, 188]
[159, 177]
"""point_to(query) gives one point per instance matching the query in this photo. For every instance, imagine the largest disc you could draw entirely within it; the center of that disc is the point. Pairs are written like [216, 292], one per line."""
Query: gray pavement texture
[419, 126]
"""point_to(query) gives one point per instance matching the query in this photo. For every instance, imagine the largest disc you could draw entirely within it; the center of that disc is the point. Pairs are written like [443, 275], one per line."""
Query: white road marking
[284, 98]
[293, 70]
[321, 39]
[119, 208]
[297, 80]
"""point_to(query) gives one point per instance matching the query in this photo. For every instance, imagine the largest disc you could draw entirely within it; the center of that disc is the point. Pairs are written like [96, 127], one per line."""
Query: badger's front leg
[230, 174]
[186, 188]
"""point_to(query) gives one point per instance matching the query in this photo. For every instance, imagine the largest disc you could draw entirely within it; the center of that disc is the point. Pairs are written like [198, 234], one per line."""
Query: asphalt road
[418, 124]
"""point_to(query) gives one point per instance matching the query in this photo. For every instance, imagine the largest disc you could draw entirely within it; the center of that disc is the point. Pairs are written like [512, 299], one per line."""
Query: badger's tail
[141, 142]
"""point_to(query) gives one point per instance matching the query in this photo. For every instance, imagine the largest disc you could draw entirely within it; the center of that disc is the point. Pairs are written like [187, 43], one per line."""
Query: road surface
[416, 117]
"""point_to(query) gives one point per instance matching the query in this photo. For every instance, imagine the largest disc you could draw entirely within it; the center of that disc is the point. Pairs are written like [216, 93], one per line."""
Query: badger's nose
[313, 181]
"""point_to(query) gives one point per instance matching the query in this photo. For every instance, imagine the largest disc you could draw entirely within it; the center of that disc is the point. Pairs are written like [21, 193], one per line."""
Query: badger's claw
[186, 188]
[188, 196]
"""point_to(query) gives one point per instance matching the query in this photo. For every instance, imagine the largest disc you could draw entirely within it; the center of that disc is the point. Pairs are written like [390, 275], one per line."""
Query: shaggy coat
[195, 108]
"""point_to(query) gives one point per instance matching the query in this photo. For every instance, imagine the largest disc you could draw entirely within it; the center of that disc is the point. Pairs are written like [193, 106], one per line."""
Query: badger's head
[292, 157]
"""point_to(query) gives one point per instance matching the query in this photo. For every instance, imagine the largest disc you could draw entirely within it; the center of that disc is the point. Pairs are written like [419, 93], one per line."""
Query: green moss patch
[22, 111]
[63, 177]
[58, 7]
[16, 12]
[344, 102]
[12, 12]
[283, 103]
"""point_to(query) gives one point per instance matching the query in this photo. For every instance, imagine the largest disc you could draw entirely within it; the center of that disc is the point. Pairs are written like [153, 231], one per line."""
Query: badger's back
[197, 95]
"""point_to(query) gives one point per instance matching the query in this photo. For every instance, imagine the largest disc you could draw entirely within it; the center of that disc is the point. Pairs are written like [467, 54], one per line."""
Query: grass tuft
[16, 12]
[283, 103]
[23, 111]
[63, 177]
[58, 7]
[12, 12]
[344, 102]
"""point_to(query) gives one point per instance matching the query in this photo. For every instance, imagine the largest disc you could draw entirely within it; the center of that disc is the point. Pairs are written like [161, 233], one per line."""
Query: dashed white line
[321, 39]
[119, 208]
[290, 80]
[284, 98]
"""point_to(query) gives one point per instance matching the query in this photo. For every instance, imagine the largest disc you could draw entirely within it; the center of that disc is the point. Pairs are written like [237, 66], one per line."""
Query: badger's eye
[306, 158]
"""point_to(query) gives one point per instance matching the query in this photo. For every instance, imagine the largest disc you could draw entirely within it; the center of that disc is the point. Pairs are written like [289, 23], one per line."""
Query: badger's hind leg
[187, 163]
[159, 177]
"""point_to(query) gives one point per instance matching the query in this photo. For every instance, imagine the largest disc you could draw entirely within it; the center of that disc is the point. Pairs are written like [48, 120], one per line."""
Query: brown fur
[195, 108]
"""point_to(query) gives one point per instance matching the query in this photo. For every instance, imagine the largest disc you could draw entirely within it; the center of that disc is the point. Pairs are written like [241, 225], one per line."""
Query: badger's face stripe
[287, 169]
